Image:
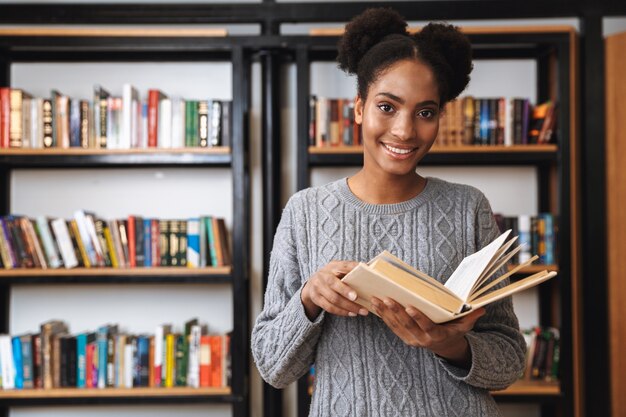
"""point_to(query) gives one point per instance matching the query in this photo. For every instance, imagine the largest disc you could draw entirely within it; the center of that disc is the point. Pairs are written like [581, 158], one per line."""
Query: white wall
[613, 25]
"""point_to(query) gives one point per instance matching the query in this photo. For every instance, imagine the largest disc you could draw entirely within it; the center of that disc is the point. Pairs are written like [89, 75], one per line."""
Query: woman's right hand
[324, 290]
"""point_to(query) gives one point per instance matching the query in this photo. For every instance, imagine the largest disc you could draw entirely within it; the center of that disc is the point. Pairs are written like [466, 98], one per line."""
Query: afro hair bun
[366, 30]
[454, 47]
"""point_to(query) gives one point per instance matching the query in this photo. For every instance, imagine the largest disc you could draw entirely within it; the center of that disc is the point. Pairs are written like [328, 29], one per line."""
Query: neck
[385, 189]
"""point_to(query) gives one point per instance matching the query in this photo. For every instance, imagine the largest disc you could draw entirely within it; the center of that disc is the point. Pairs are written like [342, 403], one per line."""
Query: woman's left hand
[415, 329]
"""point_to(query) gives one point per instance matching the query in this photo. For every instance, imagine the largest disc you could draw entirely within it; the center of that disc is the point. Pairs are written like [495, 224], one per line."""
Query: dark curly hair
[378, 37]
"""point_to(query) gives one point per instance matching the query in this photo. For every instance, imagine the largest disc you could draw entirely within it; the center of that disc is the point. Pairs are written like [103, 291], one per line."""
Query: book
[468, 288]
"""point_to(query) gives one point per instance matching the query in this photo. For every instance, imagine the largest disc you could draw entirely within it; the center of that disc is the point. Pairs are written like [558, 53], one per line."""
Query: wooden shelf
[72, 393]
[530, 388]
[206, 275]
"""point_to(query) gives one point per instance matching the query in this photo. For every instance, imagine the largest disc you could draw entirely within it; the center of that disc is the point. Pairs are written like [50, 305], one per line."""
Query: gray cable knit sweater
[362, 368]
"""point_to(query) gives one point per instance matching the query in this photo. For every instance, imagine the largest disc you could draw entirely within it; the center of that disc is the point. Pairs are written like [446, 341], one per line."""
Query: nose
[403, 126]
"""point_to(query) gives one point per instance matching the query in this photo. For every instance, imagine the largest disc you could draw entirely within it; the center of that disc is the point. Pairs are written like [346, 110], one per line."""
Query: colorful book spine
[193, 243]
[147, 242]
[27, 361]
[81, 358]
[18, 363]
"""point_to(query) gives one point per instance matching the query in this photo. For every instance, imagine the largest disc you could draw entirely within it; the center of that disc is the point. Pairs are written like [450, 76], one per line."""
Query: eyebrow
[401, 100]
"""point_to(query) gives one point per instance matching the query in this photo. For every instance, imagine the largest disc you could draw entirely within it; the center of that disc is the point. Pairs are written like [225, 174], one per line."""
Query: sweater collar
[344, 192]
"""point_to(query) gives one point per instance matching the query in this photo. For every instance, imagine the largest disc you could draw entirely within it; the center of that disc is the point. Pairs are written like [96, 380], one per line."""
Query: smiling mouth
[399, 151]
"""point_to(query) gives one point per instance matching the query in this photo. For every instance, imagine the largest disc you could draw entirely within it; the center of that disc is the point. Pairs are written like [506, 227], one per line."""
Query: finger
[339, 300]
[331, 307]
[424, 323]
[402, 317]
[344, 289]
[341, 268]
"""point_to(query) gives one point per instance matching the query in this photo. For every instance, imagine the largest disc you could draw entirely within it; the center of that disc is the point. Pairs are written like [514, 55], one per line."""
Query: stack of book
[112, 122]
[331, 122]
[542, 353]
[89, 241]
[107, 357]
[537, 234]
[496, 121]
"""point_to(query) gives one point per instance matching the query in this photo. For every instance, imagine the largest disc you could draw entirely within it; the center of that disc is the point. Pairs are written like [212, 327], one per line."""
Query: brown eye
[426, 114]
[386, 108]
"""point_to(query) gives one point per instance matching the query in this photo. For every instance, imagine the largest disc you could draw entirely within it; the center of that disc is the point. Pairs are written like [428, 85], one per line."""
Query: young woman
[400, 364]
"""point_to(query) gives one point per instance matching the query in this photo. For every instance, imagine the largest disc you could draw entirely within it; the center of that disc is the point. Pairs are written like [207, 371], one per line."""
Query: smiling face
[399, 119]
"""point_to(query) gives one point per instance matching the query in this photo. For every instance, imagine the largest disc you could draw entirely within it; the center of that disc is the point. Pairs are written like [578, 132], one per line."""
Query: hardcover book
[468, 288]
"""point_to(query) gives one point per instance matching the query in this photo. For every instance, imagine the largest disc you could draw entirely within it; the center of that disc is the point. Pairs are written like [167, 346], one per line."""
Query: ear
[358, 109]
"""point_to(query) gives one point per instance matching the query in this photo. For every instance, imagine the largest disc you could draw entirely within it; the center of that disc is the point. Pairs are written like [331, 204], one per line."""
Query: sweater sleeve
[283, 338]
[498, 347]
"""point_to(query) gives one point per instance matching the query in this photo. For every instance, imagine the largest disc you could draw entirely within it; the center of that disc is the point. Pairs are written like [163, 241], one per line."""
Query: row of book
[112, 122]
[108, 357]
[537, 236]
[466, 121]
[331, 122]
[89, 241]
[542, 353]
[496, 121]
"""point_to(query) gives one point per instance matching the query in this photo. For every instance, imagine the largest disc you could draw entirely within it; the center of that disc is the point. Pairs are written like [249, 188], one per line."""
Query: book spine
[81, 358]
[102, 357]
[193, 243]
[7, 363]
[18, 363]
[205, 361]
[170, 346]
[180, 366]
[147, 242]
[155, 238]
[131, 238]
[164, 240]
[49, 246]
[27, 361]
[5, 116]
[215, 124]
[153, 117]
[15, 118]
[193, 372]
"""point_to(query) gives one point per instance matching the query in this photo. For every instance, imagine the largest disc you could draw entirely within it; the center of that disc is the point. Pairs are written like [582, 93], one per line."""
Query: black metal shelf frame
[115, 160]
[137, 49]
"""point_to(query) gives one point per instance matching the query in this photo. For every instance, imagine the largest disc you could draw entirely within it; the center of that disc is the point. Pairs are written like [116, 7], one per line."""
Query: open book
[469, 287]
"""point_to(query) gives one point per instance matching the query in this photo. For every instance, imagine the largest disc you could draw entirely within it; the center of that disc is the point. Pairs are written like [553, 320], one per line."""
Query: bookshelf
[554, 50]
[35, 45]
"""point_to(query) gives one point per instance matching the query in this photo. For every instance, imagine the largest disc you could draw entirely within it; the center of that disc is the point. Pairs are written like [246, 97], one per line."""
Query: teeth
[398, 150]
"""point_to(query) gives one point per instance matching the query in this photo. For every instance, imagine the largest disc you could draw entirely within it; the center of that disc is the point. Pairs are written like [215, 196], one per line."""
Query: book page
[510, 289]
[424, 289]
[482, 289]
[471, 268]
[500, 262]
[398, 263]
